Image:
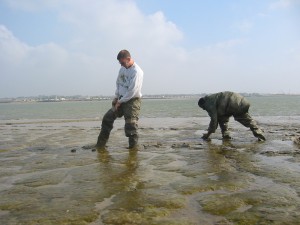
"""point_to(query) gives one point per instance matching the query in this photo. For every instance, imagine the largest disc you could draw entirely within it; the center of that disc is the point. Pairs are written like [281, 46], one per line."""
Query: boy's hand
[114, 102]
[117, 106]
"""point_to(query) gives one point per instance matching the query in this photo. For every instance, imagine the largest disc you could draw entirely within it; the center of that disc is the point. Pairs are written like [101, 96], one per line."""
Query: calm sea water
[260, 106]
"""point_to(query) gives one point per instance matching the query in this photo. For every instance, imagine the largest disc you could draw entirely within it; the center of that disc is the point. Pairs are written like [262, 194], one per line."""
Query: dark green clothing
[222, 105]
[131, 111]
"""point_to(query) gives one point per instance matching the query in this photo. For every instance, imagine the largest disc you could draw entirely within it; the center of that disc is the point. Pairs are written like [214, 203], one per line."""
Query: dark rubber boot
[133, 141]
[226, 135]
[102, 140]
[224, 127]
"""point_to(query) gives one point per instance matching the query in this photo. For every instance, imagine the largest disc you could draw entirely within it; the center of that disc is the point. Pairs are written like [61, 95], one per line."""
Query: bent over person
[127, 101]
[221, 106]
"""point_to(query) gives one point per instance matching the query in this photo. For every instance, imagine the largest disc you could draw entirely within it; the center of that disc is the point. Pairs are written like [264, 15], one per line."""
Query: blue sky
[69, 47]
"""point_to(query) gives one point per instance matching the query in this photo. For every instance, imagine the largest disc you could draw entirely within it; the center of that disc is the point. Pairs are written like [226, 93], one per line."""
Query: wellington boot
[101, 143]
[133, 141]
[226, 137]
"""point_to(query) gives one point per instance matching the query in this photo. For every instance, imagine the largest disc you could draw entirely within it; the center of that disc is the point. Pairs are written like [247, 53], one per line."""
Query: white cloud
[280, 4]
[87, 63]
[12, 50]
[118, 21]
[47, 68]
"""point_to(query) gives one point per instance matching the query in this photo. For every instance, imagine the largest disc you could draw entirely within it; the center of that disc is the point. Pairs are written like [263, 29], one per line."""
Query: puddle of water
[175, 179]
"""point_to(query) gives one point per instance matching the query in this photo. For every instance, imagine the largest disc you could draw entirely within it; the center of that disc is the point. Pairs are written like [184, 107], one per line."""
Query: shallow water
[151, 108]
[50, 174]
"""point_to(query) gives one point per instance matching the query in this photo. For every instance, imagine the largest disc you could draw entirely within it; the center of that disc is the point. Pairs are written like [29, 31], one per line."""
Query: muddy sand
[50, 174]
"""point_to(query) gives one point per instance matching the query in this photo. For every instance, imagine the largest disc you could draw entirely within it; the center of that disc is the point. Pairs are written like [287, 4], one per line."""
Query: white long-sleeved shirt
[129, 83]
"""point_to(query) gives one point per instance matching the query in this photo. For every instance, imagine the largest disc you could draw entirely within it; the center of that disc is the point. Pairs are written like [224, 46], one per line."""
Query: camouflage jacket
[224, 104]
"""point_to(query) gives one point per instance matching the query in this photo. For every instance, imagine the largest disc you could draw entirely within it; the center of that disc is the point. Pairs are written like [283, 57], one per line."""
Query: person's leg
[106, 127]
[247, 121]
[131, 110]
[223, 123]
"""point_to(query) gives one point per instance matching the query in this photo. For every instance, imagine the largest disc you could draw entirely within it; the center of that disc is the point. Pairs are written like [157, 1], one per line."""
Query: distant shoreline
[48, 99]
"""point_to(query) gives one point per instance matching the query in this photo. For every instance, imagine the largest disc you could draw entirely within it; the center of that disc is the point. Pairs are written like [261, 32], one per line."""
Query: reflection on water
[50, 175]
[104, 156]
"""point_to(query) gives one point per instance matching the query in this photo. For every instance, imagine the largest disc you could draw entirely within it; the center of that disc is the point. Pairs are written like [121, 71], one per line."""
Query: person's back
[226, 103]
[221, 106]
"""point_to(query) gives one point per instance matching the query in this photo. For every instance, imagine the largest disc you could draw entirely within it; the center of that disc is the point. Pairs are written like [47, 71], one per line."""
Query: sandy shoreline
[51, 175]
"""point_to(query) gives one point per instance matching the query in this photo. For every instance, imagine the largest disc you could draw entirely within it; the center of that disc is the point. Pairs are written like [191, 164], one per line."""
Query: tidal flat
[51, 174]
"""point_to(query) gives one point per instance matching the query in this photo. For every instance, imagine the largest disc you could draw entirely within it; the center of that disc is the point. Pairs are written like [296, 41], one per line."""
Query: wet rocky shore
[51, 174]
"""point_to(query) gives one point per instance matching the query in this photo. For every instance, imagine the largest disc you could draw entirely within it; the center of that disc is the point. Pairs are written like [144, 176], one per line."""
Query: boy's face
[124, 62]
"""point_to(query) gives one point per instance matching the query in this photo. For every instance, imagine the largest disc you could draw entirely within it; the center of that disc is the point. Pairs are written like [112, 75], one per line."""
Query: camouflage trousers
[244, 118]
[131, 111]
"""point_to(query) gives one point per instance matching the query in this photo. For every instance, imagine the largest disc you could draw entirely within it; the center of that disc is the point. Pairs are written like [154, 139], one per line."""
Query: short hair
[123, 54]
[201, 102]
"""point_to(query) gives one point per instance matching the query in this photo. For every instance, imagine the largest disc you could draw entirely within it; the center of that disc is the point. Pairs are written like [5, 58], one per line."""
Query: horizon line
[144, 95]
